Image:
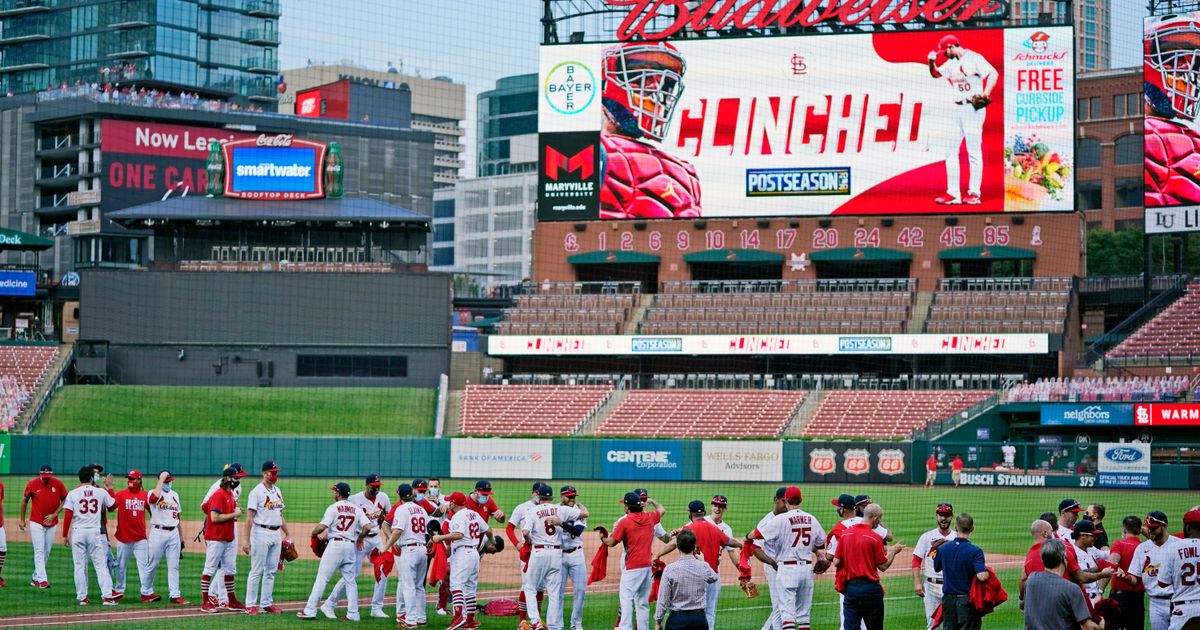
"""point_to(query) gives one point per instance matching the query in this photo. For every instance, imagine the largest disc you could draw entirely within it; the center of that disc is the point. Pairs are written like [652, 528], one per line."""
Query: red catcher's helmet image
[642, 82]
[1172, 66]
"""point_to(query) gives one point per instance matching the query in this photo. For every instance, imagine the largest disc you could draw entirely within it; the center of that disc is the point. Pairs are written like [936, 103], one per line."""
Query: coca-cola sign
[273, 167]
[274, 140]
[661, 19]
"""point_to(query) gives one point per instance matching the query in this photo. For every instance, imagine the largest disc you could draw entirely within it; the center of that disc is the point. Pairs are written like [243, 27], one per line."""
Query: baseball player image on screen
[1172, 93]
[641, 85]
[971, 79]
[406, 530]
[344, 528]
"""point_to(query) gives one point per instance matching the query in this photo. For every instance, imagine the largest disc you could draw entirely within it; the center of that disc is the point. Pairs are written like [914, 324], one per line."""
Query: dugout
[844, 263]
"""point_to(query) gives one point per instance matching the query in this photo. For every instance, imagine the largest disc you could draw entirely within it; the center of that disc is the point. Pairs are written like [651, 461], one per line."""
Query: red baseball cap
[1192, 517]
[945, 508]
[457, 498]
[792, 493]
[133, 474]
[946, 42]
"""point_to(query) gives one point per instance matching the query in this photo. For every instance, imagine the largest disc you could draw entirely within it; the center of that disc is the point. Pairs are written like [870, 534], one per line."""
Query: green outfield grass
[130, 409]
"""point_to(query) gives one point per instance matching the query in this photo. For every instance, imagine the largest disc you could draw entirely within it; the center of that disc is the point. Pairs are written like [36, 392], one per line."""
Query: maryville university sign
[660, 19]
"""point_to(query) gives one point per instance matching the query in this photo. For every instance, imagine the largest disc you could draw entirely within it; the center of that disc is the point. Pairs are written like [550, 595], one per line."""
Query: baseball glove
[822, 565]
[980, 101]
[750, 589]
[498, 543]
[318, 545]
[289, 552]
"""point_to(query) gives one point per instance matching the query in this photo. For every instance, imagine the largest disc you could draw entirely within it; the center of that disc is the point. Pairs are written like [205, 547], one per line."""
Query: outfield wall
[766, 461]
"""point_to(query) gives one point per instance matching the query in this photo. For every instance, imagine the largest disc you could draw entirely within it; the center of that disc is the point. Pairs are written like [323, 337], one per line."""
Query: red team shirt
[1125, 547]
[710, 540]
[1033, 561]
[46, 499]
[636, 530]
[131, 515]
[957, 464]
[861, 551]
[485, 510]
[221, 502]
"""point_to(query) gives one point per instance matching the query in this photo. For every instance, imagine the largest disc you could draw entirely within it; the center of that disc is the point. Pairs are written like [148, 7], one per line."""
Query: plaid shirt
[684, 585]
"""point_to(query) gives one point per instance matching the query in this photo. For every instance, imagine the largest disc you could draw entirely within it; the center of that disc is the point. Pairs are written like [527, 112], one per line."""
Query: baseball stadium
[567, 314]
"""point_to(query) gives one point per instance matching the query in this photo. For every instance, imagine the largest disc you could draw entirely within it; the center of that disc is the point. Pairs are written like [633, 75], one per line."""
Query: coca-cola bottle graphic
[216, 171]
[333, 172]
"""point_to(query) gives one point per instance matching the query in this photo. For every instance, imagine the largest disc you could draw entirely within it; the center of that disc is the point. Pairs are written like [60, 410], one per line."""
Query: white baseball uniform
[412, 521]
[797, 535]
[769, 548]
[1087, 562]
[515, 519]
[1182, 571]
[376, 510]
[545, 560]
[87, 543]
[575, 568]
[464, 559]
[966, 76]
[714, 589]
[164, 538]
[216, 587]
[343, 522]
[1010, 455]
[1147, 563]
[266, 543]
[925, 552]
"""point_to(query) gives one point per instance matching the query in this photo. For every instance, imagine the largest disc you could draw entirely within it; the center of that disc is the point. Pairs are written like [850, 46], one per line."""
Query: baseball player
[927, 581]
[81, 526]
[3, 537]
[850, 509]
[800, 540]
[344, 525]
[1084, 539]
[1146, 566]
[541, 527]
[1179, 574]
[431, 492]
[1125, 592]
[47, 494]
[1010, 455]
[221, 512]
[523, 548]
[110, 554]
[767, 551]
[971, 79]
[480, 502]
[468, 531]
[635, 531]
[574, 565]
[1068, 515]
[376, 505]
[262, 540]
[711, 540]
[406, 531]
[131, 536]
[166, 539]
[215, 590]
[659, 532]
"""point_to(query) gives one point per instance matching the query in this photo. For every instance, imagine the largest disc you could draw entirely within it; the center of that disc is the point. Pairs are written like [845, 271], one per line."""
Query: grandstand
[1175, 332]
[529, 409]
[702, 413]
[886, 415]
[1084, 389]
[22, 368]
[1003, 305]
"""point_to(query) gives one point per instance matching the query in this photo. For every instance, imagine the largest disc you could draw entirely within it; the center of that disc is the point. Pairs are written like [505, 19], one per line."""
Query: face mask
[273, 477]
[433, 492]
[235, 483]
[134, 486]
[421, 496]
[167, 487]
[95, 478]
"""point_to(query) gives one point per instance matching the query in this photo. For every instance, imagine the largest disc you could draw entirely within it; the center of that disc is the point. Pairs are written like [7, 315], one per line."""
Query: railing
[56, 142]
[1109, 283]
[1005, 284]
[260, 64]
[786, 286]
[260, 35]
[940, 427]
[1109, 340]
[786, 382]
[15, 6]
[577, 288]
[261, 7]
[56, 382]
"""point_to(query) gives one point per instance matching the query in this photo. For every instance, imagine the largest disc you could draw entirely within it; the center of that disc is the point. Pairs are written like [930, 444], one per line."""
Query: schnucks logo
[857, 461]
[582, 161]
[1123, 455]
[822, 461]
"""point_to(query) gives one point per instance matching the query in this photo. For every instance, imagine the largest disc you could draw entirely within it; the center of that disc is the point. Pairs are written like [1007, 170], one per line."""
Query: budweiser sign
[660, 19]
[274, 140]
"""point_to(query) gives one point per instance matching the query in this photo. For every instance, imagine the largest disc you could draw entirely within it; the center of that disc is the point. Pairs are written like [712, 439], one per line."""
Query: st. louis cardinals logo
[582, 161]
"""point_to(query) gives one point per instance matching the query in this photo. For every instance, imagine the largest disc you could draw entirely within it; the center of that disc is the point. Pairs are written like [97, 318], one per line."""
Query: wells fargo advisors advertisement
[885, 123]
[144, 161]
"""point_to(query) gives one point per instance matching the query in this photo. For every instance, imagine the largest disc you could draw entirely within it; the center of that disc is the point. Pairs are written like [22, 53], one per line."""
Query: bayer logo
[570, 87]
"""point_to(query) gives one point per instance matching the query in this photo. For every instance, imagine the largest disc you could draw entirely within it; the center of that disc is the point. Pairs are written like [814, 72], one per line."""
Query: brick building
[1108, 154]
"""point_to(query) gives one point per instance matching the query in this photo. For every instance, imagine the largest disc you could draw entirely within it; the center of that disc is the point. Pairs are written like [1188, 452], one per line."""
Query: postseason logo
[781, 182]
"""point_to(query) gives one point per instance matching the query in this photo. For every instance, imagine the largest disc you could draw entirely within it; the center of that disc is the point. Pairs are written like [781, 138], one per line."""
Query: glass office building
[220, 48]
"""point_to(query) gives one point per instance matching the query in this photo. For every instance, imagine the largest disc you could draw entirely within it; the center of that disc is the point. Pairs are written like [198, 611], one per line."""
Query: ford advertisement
[658, 460]
[1121, 465]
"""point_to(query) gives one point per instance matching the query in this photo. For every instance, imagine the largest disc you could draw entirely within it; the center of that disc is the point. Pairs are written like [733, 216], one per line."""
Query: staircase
[52, 379]
[639, 314]
[614, 400]
[454, 403]
[805, 413]
[920, 312]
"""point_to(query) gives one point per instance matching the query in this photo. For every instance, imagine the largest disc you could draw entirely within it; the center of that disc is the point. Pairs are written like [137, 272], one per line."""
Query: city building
[1093, 30]
[506, 133]
[1109, 184]
[438, 106]
[483, 225]
[221, 48]
[442, 249]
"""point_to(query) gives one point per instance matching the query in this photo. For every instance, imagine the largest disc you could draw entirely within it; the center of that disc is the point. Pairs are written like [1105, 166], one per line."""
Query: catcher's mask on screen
[1172, 59]
[642, 84]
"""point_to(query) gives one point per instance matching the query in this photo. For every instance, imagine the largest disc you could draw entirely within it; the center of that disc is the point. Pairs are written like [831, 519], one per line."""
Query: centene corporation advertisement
[144, 161]
[642, 459]
[902, 122]
[1120, 465]
[583, 345]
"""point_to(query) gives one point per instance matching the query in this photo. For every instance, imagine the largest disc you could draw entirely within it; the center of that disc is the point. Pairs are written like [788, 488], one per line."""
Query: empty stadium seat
[1175, 332]
[702, 413]
[22, 368]
[529, 409]
[1000, 305]
[885, 415]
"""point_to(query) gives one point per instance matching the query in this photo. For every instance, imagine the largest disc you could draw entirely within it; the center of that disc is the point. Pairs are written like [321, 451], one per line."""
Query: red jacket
[986, 596]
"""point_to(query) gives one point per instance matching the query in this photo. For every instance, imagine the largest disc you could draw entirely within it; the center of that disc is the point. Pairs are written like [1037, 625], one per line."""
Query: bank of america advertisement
[933, 122]
[1172, 123]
